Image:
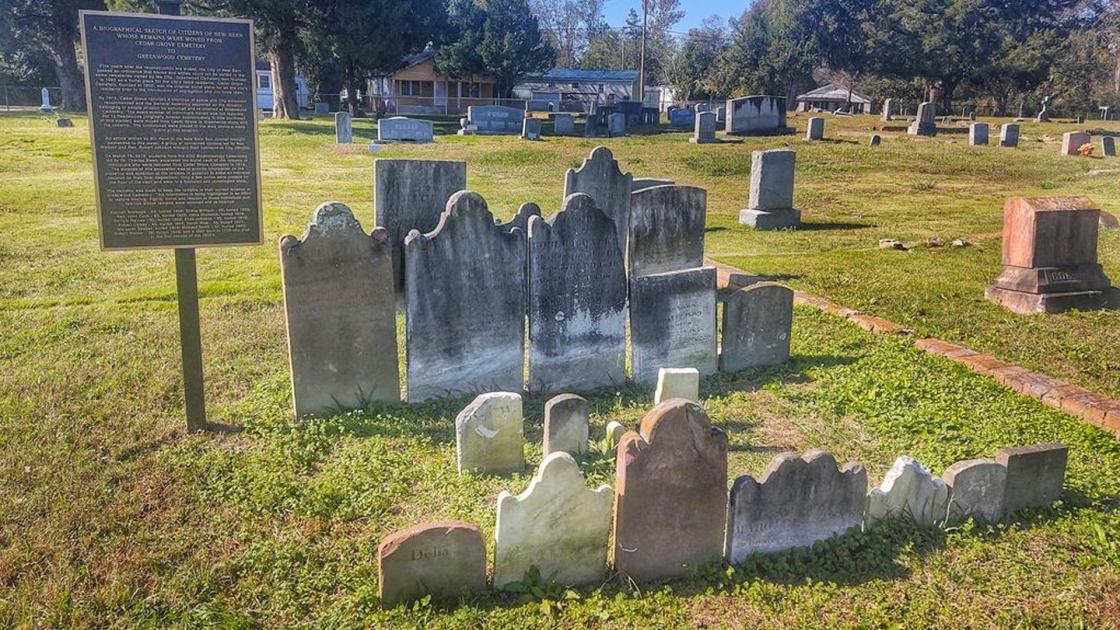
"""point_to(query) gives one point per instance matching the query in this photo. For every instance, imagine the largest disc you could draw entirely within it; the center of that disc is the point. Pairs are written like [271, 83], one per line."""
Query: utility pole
[642, 62]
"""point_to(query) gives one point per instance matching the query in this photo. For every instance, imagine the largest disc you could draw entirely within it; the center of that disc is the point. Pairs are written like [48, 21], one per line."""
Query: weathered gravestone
[343, 128]
[673, 322]
[465, 303]
[756, 115]
[875, 140]
[46, 105]
[444, 560]
[815, 130]
[590, 127]
[909, 491]
[600, 177]
[1072, 141]
[888, 110]
[1009, 135]
[558, 525]
[666, 229]
[721, 116]
[615, 431]
[683, 383]
[520, 220]
[66, 123]
[682, 117]
[771, 194]
[403, 129]
[1108, 146]
[531, 129]
[563, 125]
[796, 502]
[493, 119]
[322, 108]
[411, 195]
[565, 424]
[339, 306]
[1035, 475]
[757, 321]
[976, 489]
[490, 435]
[577, 300]
[705, 130]
[616, 125]
[1050, 257]
[925, 124]
[670, 494]
[978, 134]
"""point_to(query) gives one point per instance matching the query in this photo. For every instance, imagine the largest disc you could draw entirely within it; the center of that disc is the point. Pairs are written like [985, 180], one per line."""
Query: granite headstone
[666, 229]
[1035, 475]
[673, 322]
[601, 177]
[757, 321]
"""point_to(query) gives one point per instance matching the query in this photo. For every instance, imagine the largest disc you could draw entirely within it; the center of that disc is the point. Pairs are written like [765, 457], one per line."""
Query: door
[440, 94]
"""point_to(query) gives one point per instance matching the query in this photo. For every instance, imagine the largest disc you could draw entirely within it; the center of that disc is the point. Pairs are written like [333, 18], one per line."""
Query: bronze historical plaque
[172, 106]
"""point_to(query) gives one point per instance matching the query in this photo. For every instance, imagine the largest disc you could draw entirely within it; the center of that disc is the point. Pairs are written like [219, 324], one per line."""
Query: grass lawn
[113, 515]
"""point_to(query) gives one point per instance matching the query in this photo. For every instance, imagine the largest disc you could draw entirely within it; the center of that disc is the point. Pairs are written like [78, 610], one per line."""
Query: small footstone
[565, 424]
[558, 525]
[976, 488]
[1035, 475]
[489, 435]
[677, 383]
[908, 490]
[615, 431]
[444, 560]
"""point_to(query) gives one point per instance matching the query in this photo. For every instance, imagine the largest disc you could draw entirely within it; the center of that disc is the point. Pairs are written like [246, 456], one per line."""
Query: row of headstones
[1072, 141]
[468, 284]
[392, 129]
[672, 512]
[502, 120]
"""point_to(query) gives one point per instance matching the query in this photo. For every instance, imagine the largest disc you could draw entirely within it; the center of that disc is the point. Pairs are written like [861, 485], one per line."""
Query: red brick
[1087, 406]
[1055, 396]
[1112, 422]
[1038, 385]
[1006, 373]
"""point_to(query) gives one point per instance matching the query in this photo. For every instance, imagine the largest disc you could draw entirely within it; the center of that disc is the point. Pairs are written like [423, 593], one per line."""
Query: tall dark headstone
[411, 195]
[673, 322]
[340, 310]
[666, 229]
[577, 300]
[756, 327]
[465, 303]
[600, 177]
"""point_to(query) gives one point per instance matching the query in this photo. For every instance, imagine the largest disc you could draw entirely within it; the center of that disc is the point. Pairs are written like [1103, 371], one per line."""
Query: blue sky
[694, 11]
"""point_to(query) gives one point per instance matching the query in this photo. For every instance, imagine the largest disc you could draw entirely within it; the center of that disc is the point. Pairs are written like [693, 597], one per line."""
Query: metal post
[642, 67]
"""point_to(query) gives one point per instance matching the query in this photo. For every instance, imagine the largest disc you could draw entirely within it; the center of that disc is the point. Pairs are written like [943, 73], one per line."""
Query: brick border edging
[1096, 409]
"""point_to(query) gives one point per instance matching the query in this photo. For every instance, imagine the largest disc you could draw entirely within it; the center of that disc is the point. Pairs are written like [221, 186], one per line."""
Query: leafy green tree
[501, 38]
[699, 54]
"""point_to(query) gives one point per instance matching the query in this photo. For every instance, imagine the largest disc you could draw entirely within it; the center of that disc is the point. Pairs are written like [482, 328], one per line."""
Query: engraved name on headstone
[404, 129]
[444, 560]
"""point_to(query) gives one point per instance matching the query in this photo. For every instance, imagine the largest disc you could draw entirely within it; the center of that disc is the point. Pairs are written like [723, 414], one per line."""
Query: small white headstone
[615, 431]
[908, 490]
[677, 383]
[565, 424]
[490, 435]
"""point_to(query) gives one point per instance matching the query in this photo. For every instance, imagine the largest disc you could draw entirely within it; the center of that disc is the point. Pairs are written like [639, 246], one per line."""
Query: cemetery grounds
[112, 515]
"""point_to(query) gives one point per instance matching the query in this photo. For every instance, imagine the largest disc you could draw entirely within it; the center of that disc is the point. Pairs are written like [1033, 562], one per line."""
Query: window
[602, 87]
[264, 81]
[470, 90]
[410, 88]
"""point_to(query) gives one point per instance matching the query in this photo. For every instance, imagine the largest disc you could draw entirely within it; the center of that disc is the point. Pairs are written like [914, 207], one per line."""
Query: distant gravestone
[888, 110]
[721, 115]
[339, 306]
[1072, 141]
[1009, 135]
[756, 115]
[520, 220]
[565, 424]
[757, 321]
[875, 140]
[563, 125]
[531, 129]
[490, 435]
[978, 134]
[666, 229]
[705, 130]
[615, 431]
[1108, 146]
[411, 195]
[976, 489]
[815, 130]
[558, 525]
[1035, 475]
[493, 119]
[670, 493]
[926, 122]
[444, 560]
[909, 490]
[454, 344]
[616, 125]
[601, 177]
[64, 123]
[322, 108]
[403, 129]
[677, 383]
[771, 193]
[797, 502]
[46, 104]
[343, 128]
[589, 127]
[577, 300]
[673, 322]
[682, 117]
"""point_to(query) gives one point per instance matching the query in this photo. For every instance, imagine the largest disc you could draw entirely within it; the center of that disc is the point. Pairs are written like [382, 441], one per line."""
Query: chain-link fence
[27, 97]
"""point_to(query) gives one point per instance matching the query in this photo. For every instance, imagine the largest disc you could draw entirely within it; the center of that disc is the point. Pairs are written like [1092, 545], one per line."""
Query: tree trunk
[285, 101]
[351, 90]
[66, 65]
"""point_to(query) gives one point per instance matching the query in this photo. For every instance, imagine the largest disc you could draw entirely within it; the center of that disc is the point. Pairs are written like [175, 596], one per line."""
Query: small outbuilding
[831, 97]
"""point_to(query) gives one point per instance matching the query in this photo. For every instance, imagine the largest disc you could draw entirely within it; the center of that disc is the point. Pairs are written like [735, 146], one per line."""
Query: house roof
[833, 92]
[573, 75]
[420, 57]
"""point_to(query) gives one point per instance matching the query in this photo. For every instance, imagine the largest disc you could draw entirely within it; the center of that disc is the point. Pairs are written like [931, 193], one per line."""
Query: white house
[563, 88]
[832, 97]
[264, 88]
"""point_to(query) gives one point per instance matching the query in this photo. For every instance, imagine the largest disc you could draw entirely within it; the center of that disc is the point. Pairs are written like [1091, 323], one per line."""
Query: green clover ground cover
[114, 516]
